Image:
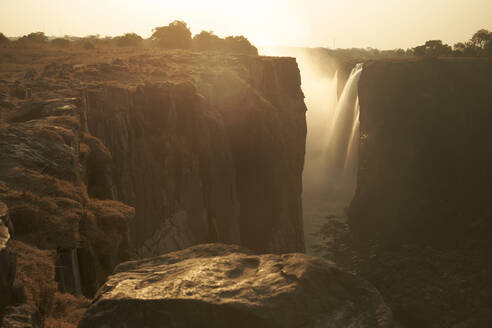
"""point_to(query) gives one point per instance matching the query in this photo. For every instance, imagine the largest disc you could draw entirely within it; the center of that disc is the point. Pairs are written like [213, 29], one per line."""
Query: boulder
[216, 285]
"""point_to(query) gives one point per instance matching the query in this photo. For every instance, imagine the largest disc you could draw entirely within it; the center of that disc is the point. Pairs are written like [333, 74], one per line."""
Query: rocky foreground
[217, 285]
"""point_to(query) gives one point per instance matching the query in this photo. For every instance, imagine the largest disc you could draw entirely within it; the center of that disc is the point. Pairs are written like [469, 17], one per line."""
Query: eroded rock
[217, 285]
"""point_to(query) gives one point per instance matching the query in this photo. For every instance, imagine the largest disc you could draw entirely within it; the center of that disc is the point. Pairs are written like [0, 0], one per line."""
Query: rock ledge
[215, 285]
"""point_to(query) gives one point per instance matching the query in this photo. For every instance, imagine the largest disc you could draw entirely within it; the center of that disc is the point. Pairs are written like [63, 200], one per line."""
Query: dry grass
[47, 221]
[67, 311]
[36, 271]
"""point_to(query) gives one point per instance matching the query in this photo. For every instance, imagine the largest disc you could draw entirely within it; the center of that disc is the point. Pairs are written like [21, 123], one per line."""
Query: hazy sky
[383, 24]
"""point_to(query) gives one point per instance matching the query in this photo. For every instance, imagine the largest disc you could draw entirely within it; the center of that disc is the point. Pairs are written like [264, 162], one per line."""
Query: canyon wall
[138, 156]
[425, 151]
[54, 238]
[422, 211]
[215, 159]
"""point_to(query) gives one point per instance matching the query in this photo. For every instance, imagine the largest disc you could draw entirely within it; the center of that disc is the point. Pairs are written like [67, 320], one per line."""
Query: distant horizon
[276, 23]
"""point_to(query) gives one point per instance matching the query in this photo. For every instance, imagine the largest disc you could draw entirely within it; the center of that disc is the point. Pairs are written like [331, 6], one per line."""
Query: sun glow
[339, 23]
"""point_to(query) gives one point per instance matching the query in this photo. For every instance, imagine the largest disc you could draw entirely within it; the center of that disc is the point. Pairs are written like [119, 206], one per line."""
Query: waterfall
[343, 139]
[330, 175]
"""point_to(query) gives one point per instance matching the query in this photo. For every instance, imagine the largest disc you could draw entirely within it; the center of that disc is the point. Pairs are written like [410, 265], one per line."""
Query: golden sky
[384, 24]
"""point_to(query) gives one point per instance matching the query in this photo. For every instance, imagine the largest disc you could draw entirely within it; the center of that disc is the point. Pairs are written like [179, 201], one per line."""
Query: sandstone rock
[217, 285]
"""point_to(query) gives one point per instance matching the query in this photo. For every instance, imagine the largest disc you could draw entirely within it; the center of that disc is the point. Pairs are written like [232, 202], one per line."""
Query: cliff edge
[106, 157]
[421, 215]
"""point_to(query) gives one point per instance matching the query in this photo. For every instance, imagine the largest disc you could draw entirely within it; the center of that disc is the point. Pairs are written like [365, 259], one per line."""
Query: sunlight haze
[327, 23]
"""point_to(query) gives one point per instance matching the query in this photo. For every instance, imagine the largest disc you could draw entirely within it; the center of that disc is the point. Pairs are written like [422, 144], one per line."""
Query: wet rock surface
[217, 285]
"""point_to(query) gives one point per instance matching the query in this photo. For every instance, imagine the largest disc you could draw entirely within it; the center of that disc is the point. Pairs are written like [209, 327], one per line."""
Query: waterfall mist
[332, 126]
[330, 163]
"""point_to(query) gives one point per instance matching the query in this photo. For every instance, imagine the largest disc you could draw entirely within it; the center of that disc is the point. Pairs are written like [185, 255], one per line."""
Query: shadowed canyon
[183, 181]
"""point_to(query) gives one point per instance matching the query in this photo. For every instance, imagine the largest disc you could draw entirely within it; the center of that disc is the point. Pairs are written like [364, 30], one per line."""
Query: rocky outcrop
[425, 152]
[198, 147]
[217, 285]
[219, 155]
[47, 159]
[422, 209]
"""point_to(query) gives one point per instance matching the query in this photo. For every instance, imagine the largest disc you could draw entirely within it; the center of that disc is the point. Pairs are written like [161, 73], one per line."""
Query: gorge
[209, 173]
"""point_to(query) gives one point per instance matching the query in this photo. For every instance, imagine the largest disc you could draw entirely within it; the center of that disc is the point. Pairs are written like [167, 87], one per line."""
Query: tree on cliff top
[208, 41]
[432, 49]
[3, 38]
[35, 37]
[481, 38]
[176, 35]
[240, 44]
[129, 40]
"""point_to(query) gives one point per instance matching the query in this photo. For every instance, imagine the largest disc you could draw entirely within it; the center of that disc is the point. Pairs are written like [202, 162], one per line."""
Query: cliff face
[425, 150]
[137, 156]
[215, 158]
[422, 209]
[58, 238]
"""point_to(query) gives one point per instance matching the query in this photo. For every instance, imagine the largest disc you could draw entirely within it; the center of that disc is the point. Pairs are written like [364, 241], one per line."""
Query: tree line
[480, 44]
[176, 35]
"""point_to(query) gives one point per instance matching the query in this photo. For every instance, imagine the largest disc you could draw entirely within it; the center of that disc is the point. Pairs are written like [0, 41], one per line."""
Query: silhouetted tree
[459, 48]
[35, 37]
[129, 40]
[488, 48]
[433, 49]
[239, 44]
[481, 38]
[207, 41]
[232, 44]
[176, 35]
[419, 51]
[3, 38]
[399, 52]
